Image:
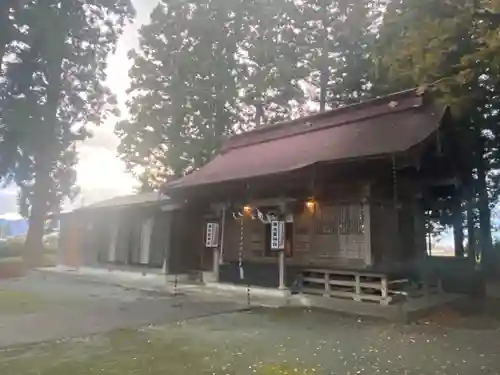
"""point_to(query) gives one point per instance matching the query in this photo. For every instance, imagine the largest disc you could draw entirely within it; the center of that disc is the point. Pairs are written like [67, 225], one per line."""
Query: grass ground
[132, 352]
[19, 302]
[265, 342]
[261, 341]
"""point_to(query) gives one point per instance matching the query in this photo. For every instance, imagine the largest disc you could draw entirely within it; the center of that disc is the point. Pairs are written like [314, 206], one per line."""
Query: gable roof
[382, 126]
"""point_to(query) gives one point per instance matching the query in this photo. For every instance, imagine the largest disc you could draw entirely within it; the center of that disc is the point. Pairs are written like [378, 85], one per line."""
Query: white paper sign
[277, 235]
[212, 235]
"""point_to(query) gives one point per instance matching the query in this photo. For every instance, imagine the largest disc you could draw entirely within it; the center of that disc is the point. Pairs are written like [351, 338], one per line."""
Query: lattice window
[340, 219]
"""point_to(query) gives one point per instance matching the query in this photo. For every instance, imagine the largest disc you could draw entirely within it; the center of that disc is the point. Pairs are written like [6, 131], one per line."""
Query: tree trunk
[488, 261]
[471, 231]
[33, 247]
[323, 82]
[47, 147]
[458, 233]
[324, 70]
[259, 114]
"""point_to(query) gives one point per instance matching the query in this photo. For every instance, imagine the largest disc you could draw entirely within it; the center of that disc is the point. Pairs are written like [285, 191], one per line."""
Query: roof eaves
[307, 124]
[108, 204]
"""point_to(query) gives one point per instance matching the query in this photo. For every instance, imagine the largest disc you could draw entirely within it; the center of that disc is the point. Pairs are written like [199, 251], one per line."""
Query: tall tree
[11, 23]
[445, 45]
[53, 89]
[336, 42]
[184, 87]
[208, 68]
[269, 61]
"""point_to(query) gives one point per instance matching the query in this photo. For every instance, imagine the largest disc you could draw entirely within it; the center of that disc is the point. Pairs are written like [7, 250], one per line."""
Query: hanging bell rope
[240, 215]
[242, 244]
[395, 194]
[394, 182]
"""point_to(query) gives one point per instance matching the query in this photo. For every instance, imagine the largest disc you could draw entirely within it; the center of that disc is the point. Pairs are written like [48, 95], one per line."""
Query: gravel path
[78, 307]
[326, 343]
[219, 339]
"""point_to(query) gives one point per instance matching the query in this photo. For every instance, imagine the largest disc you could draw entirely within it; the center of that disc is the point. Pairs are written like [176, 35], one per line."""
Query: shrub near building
[11, 262]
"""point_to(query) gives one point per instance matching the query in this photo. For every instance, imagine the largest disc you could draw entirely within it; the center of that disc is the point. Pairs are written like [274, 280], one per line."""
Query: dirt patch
[12, 268]
[473, 313]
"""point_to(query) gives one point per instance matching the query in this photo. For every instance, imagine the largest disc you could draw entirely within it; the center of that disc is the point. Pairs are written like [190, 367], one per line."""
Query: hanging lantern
[311, 205]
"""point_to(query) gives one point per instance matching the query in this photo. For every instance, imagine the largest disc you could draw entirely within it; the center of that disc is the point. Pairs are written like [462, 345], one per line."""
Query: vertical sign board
[212, 235]
[277, 235]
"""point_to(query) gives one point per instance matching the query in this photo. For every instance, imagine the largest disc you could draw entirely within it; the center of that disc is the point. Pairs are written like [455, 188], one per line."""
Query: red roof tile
[387, 125]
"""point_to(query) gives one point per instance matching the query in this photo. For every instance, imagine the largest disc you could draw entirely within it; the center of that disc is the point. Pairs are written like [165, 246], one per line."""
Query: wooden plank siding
[394, 237]
[313, 243]
[187, 244]
[88, 237]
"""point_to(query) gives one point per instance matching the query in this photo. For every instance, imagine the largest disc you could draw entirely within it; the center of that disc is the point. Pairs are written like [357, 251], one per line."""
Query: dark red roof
[382, 126]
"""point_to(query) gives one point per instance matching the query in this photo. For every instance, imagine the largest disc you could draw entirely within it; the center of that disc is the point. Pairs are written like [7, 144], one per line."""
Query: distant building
[134, 232]
[13, 228]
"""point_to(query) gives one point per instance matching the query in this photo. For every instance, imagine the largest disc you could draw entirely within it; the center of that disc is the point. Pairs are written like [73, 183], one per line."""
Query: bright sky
[100, 167]
[101, 173]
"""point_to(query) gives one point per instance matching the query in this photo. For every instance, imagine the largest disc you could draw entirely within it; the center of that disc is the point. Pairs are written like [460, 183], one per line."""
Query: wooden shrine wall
[334, 234]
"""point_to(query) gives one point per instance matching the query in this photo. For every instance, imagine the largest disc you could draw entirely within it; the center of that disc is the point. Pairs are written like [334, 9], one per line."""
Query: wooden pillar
[282, 270]
[367, 226]
[367, 234]
[146, 231]
[419, 231]
[216, 265]
[327, 285]
[384, 291]
[428, 236]
[112, 243]
[222, 231]
[164, 266]
[357, 279]
[168, 222]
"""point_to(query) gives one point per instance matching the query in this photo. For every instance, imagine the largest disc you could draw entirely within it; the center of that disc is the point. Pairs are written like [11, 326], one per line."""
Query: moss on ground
[17, 302]
[125, 352]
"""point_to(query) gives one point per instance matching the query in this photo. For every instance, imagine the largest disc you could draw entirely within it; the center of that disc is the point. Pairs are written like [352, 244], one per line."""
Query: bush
[51, 243]
[11, 247]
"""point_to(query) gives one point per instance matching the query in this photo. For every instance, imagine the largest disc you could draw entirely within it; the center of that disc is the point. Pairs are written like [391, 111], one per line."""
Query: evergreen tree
[445, 47]
[336, 42]
[53, 87]
[270, 65]
[184, 91]
[205, 69]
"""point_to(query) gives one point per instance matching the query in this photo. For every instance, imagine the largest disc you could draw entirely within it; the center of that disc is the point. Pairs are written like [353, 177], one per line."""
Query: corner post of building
[282, 270]
[282, 251]
[367, 224]
[222, 231]
[146, 232]
[216, 265]
[113, 240]
[218, 250]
